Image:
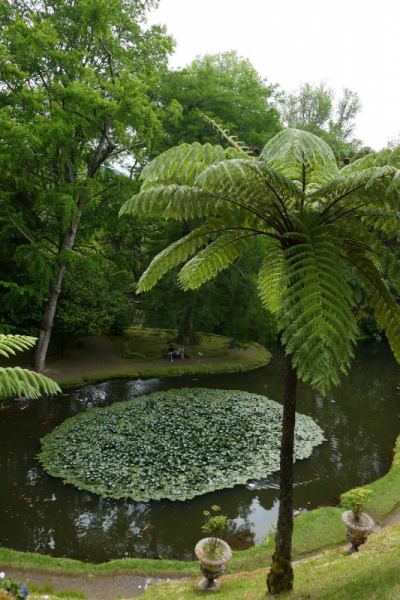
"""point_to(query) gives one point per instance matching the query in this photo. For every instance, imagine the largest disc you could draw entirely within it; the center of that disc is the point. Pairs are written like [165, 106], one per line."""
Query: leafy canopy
[320, 222]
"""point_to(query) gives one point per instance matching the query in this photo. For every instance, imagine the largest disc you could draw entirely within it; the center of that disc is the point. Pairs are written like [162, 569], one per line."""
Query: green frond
[181, 165]
[376, 219]
[172, 201]
[301, 157]
[240, 147]
[10, 343]
[23, 383]
[394, 158]
[270, 277]
[316, 317]
[214, 258]
[174, 255]
[395, 184]
[250, 182]
[351, 189]
[366, 162]
[382, 157]
[386, 311]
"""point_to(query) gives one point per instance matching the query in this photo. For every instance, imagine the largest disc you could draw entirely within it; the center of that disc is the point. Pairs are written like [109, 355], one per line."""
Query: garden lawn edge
[227, 367]
[314, 531]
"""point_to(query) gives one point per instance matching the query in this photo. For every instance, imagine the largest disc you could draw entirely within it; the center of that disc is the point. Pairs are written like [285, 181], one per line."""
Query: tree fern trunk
[280, 576]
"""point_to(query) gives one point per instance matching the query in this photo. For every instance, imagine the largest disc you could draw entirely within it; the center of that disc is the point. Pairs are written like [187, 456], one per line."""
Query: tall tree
[224, 85]
[313, 109]
[320, 223]
[75, 95]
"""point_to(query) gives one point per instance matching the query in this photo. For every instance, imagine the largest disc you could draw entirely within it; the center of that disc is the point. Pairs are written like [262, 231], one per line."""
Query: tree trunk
[186, 336]
[46, 326]
[280, 576]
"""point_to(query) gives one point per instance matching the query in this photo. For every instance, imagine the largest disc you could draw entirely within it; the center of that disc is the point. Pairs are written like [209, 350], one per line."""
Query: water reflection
[40, 514]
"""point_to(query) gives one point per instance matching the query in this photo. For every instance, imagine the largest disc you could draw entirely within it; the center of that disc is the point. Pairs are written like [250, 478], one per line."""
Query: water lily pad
[176, 444]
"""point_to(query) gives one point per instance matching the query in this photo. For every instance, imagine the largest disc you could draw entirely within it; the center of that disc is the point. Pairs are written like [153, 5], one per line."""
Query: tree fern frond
[365, 162]
[386, 221]
[172, 201]
[350, 189]
[214, 258]
[174, 255]
[386, 311]
[251, 181]
[319, 326]
[23, 383]
[10, 343]
[240, 147]
[270, 279]
[181, 165]
[301, 157]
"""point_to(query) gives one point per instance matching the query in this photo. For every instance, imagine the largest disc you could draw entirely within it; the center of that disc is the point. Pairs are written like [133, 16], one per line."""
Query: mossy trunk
[280, 576]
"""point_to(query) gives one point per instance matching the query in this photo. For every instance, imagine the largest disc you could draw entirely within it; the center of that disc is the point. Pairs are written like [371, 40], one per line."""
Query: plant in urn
[358, 523]
[212, 552]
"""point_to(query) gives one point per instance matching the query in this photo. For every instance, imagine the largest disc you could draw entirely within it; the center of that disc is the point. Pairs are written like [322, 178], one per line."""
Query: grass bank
[372, 573]
[102, 357]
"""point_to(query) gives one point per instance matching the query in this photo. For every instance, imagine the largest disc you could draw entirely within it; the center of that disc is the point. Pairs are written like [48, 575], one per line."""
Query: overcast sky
[352, 43]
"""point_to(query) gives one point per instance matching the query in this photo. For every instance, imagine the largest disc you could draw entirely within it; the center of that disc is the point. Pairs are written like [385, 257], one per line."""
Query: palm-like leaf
[301, 157]
[21, 382]
[10, 343]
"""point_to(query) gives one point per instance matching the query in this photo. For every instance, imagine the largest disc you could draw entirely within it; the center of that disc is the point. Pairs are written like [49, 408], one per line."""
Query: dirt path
[99, 587]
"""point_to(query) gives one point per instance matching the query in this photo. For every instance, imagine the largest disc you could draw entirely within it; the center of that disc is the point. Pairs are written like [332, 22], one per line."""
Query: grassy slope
[372, 573]
[216, 357]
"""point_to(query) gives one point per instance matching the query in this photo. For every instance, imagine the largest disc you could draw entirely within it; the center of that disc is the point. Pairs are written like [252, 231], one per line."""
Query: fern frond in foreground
[23, 383]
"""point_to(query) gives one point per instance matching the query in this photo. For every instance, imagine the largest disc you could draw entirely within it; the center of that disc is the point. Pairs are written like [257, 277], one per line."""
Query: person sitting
[171, 352]
[181, 351]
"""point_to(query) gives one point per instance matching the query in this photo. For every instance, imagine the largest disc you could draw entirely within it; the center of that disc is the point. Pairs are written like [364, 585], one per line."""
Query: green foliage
[92, 301]
[356, 500]
[77, 95]
[226, 87]
[215, 524]
[321, 229]
[175, 444]
[128, 353]
[311, 108]
[15, 588]
[21, 382]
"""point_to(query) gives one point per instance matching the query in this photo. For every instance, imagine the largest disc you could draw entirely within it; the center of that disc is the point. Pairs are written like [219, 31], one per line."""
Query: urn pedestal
[210, 568]
[357, 531]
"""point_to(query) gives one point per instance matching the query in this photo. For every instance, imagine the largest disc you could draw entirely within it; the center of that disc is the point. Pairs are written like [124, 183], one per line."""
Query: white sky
[348, 43]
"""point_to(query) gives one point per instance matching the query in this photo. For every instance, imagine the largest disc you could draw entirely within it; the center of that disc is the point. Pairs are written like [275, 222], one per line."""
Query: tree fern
[325, 231]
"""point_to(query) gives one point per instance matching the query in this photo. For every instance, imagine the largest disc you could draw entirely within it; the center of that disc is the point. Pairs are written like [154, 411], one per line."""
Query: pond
[361, 420]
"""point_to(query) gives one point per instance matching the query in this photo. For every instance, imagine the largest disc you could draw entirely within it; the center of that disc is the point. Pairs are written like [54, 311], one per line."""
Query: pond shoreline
[102, 358]
[314, 531]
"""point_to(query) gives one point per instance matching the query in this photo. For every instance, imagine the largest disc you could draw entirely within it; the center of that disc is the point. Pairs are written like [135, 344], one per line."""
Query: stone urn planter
[357, 529]
[211, 568]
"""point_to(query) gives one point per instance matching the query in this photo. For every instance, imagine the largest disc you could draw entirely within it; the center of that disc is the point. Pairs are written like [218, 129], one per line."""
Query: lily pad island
[176, 444]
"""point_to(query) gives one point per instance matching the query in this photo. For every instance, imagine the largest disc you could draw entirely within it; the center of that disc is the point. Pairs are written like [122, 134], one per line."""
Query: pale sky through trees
[348, 43]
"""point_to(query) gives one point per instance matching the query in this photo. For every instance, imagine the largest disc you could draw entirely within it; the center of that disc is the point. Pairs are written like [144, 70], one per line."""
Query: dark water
[38, 513]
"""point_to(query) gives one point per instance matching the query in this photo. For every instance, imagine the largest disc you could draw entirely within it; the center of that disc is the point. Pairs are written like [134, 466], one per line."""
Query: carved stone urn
[211, 568]
[357, 530]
